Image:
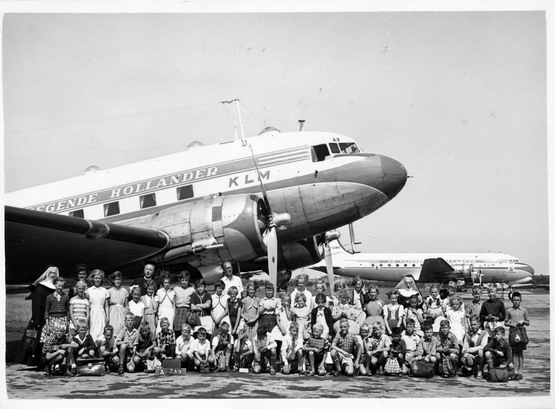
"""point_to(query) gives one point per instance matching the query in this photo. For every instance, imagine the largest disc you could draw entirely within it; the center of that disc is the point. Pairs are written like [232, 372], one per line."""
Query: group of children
[353, 334]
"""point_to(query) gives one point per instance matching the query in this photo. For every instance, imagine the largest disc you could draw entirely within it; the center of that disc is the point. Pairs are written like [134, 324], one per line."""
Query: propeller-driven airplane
[263, 199]
[473, 268]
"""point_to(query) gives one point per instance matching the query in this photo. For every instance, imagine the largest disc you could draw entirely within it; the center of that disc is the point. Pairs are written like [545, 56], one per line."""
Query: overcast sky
[458, 97]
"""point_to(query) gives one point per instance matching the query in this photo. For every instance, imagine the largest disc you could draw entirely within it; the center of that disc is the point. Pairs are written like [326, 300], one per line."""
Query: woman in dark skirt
[30, 348]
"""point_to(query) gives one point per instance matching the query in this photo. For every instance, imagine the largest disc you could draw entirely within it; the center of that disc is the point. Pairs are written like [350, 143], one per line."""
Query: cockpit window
[349, 147]
[319, 152]
[334, 148]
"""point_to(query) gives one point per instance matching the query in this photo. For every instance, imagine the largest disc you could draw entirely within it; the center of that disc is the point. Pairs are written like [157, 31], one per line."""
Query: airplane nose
[394, 176]
[524, 267]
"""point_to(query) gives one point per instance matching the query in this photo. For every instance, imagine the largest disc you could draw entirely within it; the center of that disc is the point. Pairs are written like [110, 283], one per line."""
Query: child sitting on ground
[343, 348]
[411, 339]
[57, 351]
[316, 347]
[498, 352]
[380, 351]
[367, 346]
[243, 351]
[426, 348]
[84, 346]
[145, 347]
[222, 348]
[447, 351]
[517, 318]
[292, 350]
[127, 341]
[264, 351]
[397, 351]
[201, 351]
[107, 349]
[165, 340]
[184, 347]
[474, 342]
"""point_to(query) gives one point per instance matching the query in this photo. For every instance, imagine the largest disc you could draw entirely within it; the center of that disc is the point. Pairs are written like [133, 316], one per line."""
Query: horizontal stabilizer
[35, 239]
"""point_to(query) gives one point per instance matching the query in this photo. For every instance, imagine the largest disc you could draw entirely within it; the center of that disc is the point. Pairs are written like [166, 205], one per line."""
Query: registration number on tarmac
[170, 371]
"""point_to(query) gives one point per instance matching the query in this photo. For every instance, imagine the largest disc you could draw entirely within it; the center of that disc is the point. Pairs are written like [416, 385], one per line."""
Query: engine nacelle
[301, 253]
[207, 232]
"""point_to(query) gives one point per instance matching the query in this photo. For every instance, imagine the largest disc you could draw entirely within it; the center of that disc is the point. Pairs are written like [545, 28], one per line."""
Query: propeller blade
[329, 266]
[272, 245]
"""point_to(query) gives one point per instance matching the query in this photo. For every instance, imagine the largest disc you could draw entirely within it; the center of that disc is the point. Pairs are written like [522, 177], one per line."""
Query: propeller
[273, 222]
[329, 236]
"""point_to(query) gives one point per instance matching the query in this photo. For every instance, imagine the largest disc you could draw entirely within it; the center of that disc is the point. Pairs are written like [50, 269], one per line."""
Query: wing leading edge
[35, 239]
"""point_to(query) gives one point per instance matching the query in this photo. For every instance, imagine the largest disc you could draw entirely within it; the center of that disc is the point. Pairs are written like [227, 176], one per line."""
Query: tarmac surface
[25, 383]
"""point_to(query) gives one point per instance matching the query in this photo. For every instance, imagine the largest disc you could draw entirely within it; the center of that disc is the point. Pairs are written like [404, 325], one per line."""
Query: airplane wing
[35, 239]
[436, 270]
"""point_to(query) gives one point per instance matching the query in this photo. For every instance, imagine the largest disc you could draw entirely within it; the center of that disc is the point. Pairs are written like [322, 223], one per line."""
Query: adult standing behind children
[148, 278]
[231, 280]
[30, 350]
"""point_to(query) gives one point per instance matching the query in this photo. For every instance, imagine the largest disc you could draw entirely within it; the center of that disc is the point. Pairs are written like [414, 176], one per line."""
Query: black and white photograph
[256, 203]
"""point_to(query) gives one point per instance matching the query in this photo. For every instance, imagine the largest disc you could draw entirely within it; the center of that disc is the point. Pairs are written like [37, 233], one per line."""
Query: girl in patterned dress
[56, 312]
[250, 310]
[166, 302]
[151, 307]
[117, 302]
[394, 313]
[98, 296]
[301, 314]
[79, 307]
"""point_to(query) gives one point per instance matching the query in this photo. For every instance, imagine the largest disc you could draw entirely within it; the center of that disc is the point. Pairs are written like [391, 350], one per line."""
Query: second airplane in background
[473, 268]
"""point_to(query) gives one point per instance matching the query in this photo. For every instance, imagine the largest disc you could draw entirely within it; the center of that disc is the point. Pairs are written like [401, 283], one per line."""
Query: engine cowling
[300, 253]
[209, 231]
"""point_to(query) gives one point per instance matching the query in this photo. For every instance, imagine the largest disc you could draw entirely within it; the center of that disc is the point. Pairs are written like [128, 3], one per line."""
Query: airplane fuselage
[320, 179]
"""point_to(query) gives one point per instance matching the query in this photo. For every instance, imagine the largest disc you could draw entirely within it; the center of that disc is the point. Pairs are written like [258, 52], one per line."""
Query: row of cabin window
[145, 201]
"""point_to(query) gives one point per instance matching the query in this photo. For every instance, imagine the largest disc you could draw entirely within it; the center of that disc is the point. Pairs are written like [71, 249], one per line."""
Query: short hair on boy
[320, 298]
[293, 325]
[219, 284]
[145, 326]
[81, 283]
[201, 330]
[411, 321]
[186, 328]
[444, 323]
[164, 319]
[184, 274]
[516, 294]
[82, 324]
[108, 328]
[59, 279]
[342, 320]
[224, 325]
[426, 327]
[378, 325]
[396, 331]
[476, 289]
[233, 290]
[130, 315]
[318, 325]
[500, 330]
[356, 279]
[474, 318]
